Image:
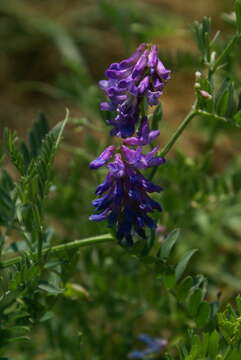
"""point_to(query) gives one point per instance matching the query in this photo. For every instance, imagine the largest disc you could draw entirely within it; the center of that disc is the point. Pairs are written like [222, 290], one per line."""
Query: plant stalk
[60, 249]
[175, 137]
[225, 52]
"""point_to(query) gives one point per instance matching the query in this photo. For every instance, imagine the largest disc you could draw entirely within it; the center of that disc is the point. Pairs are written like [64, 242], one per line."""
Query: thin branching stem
[175, 137]
[58, 249]
[225, 52]
[178, 133]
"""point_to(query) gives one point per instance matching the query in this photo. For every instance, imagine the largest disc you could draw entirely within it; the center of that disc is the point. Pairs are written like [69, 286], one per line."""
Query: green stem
[178, 133]
[225, 52]
[228, 352]
[61, 248]
[211, 116]
[213, 134]
[175, 137]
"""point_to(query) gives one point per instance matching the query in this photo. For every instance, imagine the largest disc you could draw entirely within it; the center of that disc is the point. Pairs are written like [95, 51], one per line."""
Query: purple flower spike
[140, 76]
[144, 136]
[124, 200]
[103, 158]
[124, 196]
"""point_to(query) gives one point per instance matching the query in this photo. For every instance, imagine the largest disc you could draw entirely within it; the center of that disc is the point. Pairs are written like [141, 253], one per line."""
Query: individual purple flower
[154, 347]
[126, 117]
[124, 201]
[142, 161]
[129, 81]
[144, 135]
[103, 158]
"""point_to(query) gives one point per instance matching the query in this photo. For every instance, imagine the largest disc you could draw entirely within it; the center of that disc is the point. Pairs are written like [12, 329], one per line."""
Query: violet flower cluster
[154, 347]
[124, 199]
[141, 75]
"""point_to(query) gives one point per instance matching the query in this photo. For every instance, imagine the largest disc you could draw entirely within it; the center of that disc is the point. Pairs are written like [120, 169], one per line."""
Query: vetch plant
[120, 287]
[126, 203]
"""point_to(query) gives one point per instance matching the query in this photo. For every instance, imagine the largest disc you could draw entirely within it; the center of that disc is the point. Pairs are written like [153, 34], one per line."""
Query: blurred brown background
[53, 51]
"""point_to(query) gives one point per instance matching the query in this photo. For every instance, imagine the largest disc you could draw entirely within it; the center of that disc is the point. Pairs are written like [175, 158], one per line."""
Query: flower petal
[103, 158]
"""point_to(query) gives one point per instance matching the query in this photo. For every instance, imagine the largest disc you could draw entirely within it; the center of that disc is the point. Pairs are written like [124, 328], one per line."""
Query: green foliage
[168, 244]
[58, 303]
[22, 210]
[230, 324]
[7, 199]
[202, 35]
[220, 344]
[238, 15]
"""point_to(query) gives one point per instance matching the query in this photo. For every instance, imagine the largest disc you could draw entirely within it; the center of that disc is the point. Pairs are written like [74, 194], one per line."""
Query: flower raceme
[142, 75]
[124, 200]
[124, 196]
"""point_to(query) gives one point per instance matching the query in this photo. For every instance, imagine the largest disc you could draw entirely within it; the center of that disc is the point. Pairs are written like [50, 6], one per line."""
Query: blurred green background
[52, 55]
[52, 52]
